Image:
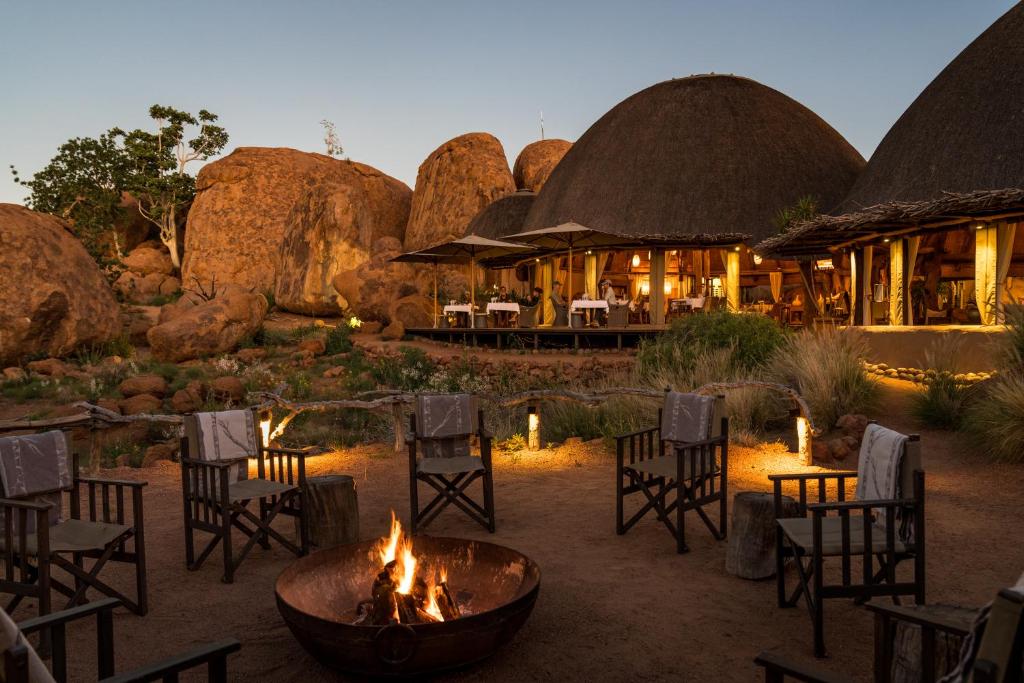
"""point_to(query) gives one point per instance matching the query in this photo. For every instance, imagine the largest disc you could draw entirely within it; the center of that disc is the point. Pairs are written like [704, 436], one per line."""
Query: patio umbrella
[467, 248]
[423, 257]
[570, 236]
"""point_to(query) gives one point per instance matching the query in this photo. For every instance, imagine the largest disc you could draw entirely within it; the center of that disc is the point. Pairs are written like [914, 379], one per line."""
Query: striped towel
[879, 470]
[36, 467]
[445, 423]
[228, 435]
[686, 418]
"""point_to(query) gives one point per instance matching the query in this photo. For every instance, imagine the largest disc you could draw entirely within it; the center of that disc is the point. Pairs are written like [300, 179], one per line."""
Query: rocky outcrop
[536, 162]
[238, 221]
[148, 273]
[54, 296]
[456, 181]
[193, 327]
[332, 228]
[370, 288]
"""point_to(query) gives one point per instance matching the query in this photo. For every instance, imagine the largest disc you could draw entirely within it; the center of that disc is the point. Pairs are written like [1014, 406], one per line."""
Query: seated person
[535, 297]
[503, 317]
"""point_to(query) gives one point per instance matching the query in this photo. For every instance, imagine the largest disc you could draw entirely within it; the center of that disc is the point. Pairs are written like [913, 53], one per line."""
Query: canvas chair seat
[76, 535]
[799, 531]
[249, 489]
[665, 466]
[458, 465]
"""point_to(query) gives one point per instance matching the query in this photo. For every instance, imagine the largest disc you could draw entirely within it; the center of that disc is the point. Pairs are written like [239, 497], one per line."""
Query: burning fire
[418, 595]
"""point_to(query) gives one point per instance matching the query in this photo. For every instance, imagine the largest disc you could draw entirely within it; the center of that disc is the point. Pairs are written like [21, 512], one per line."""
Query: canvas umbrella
[424, 257]
[569, 236]
[469, 248]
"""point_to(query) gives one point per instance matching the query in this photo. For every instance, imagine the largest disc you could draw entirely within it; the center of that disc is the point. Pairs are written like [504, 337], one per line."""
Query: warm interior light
[886, 240]
[979, 226]
[737, 248]
[668, 287]
[645, 287]
[758, 260]
[589, 252]
[825, 264]
[533, 431]
[636, 260]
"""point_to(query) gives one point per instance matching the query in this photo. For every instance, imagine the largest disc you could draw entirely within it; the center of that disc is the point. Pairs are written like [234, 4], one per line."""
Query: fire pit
[386, 608]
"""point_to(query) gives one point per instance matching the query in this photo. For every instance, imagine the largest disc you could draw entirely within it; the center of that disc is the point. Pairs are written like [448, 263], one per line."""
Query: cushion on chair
[799, 530]
[665, 466]
[249, 489]
[458, 465]
[76, 535]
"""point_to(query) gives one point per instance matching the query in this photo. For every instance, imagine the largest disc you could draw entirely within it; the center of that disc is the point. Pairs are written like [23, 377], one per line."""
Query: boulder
[395, 331]
[15, 374]
[142, 403]
[145, 260]
[50, 367]
[314, 346]
[110, 404]
[371, 287]
[414, 310]
[193, 327]
[332, 228]
[161, 451]
[853, 425]
[186, 401]
[228, 388]
[536, 162]
[138, 321]
[55, 298]
[371, 327]
[453, 184]
[251, 355]
[143, 384]
[237, 223]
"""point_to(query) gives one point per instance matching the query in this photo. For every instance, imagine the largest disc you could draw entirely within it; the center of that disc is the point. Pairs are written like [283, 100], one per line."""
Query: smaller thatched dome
[963, 133]
[503, 216]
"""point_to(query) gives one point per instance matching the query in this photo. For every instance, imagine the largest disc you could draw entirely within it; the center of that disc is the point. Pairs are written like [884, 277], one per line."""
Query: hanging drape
[986, 246]
[1005, 234]
[775, 279]
[868, 286]
[732, 279]
[547, 278]
[590, 276]
[913, 244]
[697, 256]
[897, 283]
[854, 279]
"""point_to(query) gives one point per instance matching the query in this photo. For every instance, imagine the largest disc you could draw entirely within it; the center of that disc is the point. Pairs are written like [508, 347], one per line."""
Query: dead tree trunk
[332, 507]
[751, 553]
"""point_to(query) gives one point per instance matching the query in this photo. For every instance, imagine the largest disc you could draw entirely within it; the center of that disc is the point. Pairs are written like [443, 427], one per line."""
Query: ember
[406, 591]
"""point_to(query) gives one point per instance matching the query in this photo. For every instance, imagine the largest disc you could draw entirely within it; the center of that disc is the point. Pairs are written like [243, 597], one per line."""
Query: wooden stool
[751, 553]
[332, 509]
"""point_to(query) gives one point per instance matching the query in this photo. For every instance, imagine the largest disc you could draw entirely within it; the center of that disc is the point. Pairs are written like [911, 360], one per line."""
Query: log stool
[751, 553]
[332, 509]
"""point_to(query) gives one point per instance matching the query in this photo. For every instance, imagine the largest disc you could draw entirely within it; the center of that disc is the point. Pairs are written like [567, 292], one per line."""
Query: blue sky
[400, 78]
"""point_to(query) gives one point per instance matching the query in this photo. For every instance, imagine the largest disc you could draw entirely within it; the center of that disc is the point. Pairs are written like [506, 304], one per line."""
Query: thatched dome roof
[964, 132]
[704, 159]
[504, 216]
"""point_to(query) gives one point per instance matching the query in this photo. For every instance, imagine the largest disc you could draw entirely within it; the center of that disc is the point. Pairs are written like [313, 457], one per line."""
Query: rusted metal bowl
[317, 596]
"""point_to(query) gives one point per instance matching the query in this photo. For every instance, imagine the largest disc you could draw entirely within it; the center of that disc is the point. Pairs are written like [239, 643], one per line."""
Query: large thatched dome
[964, 132]
[703, 159]
[502, 217]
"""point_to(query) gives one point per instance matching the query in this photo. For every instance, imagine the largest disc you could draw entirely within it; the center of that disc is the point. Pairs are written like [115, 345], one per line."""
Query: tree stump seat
[332, 508]
[751, 552]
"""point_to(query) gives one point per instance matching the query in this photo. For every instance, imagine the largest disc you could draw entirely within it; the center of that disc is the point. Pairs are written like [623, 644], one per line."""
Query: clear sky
[400, 78]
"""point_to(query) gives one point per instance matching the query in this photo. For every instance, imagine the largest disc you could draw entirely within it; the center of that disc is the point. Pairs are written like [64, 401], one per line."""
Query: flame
[388, 548]
[396, 547]
[408, 574]
[432, 608]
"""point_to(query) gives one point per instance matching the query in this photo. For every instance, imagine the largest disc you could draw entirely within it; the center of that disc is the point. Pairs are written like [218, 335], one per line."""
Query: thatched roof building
[700, 161]
[955, 156]
[502, 217]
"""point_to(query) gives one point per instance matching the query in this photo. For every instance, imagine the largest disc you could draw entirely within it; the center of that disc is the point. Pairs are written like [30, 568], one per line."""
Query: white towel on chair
[879, 469]
[228, 435]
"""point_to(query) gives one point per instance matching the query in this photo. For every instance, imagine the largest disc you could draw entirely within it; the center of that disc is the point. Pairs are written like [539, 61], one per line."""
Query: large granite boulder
[237, 223]
[456, 181]
[54, 296]
[371, 287]
[331, 229]
[193, 327]
[536, 162]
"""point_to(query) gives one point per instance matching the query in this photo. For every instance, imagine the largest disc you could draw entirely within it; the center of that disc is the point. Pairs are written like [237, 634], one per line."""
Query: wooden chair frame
[451, 489]
[108, 501]
[810, 562]
[15, 659]
[707, 482]
[205, 489]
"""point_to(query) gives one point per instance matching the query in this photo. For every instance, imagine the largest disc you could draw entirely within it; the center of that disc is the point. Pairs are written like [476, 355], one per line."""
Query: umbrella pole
[569, 293]
[472, 293]
[435, 294]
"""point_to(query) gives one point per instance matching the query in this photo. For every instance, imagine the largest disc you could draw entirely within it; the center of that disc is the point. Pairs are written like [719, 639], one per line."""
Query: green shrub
[411, 370]
[825, 367]
[751, 338]
[300, 385]
[995, 421]
[305, 331]
[941, 403]
[92, 354]
[339, 339]
[30, 388]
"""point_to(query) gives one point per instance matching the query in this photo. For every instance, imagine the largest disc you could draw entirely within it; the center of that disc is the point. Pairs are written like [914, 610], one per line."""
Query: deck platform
[541, 337]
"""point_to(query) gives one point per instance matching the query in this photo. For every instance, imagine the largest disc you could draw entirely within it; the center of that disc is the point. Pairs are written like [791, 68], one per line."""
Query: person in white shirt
[609, 292]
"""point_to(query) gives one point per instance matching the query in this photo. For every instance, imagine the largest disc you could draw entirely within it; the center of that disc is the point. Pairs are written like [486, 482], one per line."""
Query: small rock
[838, 449]
[820, 451]
[393, 332]
[228, 388]
[371, 327]
[51, 367]
[15, 375]
[252, 355]
[143, 384]
[110, 404]
[186, 401]
[853, 424]
[160, 451]
[336, 371]
[313, 346]
[141, 403]
[572, 440]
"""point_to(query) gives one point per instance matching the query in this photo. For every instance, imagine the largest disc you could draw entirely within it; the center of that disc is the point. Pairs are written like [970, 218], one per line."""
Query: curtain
[547, 278]
[1005, 234]
[775, 278]
[897, 283]
[854, 279]
[732, 279]
[868, 286]
[698, 271]
[590, 276]
[913, 244]
[985, 261]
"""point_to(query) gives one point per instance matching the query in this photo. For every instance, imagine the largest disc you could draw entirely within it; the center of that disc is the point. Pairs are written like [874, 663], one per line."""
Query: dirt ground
[611, 608]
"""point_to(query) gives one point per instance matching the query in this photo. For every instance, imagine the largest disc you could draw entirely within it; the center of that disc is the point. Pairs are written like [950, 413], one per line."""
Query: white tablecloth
[580, 304]
[458, 308]
[693, 302]
[503, 306]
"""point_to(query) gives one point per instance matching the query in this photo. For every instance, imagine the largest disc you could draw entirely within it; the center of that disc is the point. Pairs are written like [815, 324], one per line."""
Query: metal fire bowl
[317, 596]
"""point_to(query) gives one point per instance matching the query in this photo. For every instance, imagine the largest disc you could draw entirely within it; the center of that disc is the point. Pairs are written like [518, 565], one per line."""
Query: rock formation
[193, 327]
[54, 296]
[535, 163]
[456, 181]
[331, 229]
[148, 273]
[237, 223]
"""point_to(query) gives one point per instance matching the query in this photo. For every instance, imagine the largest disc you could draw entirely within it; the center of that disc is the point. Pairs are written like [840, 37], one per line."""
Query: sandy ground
[611, 608]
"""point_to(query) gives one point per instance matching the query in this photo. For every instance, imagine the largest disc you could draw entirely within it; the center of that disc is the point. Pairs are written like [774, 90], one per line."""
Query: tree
[331, 139]
[157, 163]
[83, 185]
[805, 208]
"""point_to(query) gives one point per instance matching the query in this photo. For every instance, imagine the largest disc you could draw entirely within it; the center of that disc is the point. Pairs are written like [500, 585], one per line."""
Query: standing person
[609, 295]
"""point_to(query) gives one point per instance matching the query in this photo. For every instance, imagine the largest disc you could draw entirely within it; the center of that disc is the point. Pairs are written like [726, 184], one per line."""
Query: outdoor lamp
[533, 428]
[265, 416]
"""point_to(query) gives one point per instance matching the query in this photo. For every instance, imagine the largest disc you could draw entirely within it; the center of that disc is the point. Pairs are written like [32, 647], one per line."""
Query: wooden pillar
[910, 247]
[898, 293]
[856, 285]
[590, 275]
[810, 294]
[547, 278]
[867, 286]
[657, 284]
[732, 279]
[1005, 235]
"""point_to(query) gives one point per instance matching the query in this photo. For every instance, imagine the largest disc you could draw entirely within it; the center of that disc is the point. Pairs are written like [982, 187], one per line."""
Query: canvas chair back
[994, 648]
[527, 316]
[226, 436]
[10, 637]
[700, 417]
[618, 315]
[561, 312]
[37, 468]
[445, 423]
